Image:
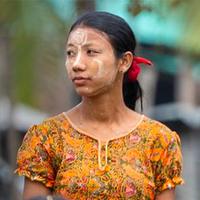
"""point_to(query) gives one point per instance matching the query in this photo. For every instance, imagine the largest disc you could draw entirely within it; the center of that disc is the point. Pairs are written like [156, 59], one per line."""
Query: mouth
[79, 80]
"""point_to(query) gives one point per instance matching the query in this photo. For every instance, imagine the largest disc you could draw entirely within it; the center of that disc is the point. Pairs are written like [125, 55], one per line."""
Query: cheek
[68, 66]
[100, 70]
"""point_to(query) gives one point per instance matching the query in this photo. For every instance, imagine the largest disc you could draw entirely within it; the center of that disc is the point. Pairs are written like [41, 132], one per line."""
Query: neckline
[106, 141]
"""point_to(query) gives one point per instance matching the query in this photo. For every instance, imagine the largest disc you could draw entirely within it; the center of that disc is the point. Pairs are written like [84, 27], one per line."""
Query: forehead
[84, 34]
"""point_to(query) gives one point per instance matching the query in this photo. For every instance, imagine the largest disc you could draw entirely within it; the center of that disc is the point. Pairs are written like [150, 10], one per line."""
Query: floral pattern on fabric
[139, 165]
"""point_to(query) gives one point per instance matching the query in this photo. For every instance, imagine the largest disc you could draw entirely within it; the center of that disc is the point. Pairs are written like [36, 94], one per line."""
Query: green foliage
[188, 11]
[31, 27]
[190, 37]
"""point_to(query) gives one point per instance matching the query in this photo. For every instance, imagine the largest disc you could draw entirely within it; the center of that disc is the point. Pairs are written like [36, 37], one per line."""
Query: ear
[125, 62]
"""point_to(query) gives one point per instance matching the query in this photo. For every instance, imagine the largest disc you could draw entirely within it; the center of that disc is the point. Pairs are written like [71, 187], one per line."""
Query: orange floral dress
[137, 165]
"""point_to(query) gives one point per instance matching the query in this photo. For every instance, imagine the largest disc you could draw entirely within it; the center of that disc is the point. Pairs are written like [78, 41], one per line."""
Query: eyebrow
[85, 45]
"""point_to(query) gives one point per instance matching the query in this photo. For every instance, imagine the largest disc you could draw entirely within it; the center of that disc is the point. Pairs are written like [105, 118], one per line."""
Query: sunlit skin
[98, 79]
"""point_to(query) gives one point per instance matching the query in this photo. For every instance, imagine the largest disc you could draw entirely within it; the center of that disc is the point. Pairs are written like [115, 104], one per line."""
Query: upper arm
[167, 161]
[166, 195]
[34, 160]
[33, 189]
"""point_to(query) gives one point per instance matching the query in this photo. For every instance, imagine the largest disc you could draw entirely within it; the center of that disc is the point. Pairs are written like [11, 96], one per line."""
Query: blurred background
[34, 85]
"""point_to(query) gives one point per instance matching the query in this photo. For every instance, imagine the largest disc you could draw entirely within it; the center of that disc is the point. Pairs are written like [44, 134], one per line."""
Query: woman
[101, 148]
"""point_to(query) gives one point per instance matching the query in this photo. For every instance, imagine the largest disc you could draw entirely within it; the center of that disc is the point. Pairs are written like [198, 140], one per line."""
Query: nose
[79, 63]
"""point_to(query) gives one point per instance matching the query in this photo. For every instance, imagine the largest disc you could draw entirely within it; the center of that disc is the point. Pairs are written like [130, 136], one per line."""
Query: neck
[108, 107]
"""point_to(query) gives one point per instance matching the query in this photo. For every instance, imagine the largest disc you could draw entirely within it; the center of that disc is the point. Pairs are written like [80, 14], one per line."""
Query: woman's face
[90, 62]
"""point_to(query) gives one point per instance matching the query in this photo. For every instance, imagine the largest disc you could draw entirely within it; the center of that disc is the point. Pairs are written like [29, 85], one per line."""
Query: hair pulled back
[122, 40]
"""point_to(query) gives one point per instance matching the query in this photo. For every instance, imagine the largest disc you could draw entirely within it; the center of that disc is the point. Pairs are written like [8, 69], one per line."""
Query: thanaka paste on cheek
[102, 72]
[101, 69]
[68, 65]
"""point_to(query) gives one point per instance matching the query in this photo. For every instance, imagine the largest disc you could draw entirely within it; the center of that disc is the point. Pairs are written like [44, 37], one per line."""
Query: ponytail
[132, 92]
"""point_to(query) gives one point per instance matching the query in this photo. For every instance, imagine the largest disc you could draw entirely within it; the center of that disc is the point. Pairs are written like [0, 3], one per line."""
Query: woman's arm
[34, 188]
[166, 195]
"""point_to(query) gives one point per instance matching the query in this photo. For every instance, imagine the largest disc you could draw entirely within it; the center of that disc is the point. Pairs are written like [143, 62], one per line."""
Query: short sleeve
[33, 160]
[167, 162]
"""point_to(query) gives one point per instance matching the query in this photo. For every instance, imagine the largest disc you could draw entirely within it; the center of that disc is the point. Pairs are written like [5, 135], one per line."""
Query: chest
[104, 133]
[92, 168]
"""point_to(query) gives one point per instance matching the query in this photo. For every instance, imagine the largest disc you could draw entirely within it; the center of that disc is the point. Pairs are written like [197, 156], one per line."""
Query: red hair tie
[135, 69]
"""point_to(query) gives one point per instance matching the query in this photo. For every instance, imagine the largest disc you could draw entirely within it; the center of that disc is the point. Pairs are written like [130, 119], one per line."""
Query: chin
[84, 92]
[91, 92]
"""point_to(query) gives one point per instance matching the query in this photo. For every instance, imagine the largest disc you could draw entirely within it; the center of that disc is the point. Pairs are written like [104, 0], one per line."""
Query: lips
[79, 80]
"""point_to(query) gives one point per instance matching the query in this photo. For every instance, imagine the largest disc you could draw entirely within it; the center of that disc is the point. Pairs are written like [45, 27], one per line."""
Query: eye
[70, 53]
[92, 52]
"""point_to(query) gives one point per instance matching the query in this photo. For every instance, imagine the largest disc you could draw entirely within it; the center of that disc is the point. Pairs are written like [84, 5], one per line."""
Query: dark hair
[122, 39]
